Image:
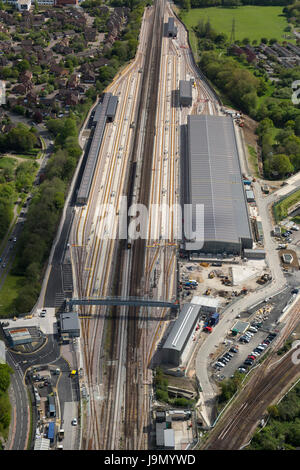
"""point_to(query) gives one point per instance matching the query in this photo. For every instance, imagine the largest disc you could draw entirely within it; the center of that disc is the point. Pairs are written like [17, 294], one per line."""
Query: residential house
[73, 81]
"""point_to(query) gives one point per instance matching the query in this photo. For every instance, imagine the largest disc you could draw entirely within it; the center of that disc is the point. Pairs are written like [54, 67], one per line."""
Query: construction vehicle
[211, 275]
[208, 291]
[204, 264]
[207, 329]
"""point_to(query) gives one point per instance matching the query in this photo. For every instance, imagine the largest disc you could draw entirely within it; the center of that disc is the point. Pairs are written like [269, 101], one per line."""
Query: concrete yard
[245, 276]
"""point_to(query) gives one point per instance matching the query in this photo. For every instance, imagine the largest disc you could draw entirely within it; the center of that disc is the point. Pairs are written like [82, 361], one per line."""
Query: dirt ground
[249, 132]
[193, 270]
[294, 264]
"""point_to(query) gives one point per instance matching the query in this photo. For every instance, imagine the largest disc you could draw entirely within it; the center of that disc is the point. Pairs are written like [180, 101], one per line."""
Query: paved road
[20, 404]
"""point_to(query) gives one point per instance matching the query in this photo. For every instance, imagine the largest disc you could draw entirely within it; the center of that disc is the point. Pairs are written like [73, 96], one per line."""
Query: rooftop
[214, 180]
[182, 327]
[69, 321]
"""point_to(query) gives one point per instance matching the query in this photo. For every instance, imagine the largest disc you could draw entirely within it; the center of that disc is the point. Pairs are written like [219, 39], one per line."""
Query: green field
[9, 293]
[253, 22]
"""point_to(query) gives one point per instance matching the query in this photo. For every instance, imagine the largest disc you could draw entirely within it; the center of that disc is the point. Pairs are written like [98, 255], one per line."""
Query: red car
[208, 329]
[252, 357]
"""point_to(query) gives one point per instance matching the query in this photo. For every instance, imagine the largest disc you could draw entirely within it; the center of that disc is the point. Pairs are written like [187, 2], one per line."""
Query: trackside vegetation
[5, 407]
[162, 394]
[283, 427]
[280, 209]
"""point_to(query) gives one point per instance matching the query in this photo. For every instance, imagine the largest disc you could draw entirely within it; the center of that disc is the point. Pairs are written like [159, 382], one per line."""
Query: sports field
[253, 22]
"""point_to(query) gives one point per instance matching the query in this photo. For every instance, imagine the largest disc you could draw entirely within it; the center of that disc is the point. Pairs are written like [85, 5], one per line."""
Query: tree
[23, 65]
[280, 165]
[5, 372]
[186, 4]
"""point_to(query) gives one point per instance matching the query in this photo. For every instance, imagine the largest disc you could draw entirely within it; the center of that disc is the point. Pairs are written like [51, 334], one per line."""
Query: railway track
[268, 382]
[132, 416]
[252, 404]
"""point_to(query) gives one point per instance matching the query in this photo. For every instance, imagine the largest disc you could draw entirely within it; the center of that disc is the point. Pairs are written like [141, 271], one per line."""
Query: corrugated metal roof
[90, 165]
[214, 179]
[182, 327]
[171, 27]
[169, 438]
[185, 89]
[112, 106]
[42, 444]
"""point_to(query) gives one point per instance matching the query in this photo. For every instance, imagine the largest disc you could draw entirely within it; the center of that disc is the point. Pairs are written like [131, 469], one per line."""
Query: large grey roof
[112, 106]
[88, 174]
[214, 178]
[182, 327]
[185, 89]
[69, 322]
[172, 29]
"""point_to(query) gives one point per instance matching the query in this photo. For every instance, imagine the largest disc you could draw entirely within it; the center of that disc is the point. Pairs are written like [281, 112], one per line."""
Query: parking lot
[244, 350]
[269, 324]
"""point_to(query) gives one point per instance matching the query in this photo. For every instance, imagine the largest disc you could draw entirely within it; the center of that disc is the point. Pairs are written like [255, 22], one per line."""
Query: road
[20, 407]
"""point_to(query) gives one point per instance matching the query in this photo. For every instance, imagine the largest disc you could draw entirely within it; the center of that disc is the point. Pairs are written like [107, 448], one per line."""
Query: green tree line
[5, 407]
[186, 4]
[283, 428]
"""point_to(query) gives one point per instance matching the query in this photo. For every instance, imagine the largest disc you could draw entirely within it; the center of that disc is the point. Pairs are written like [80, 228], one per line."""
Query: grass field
[9, 293]
[253, 22]
[253, 160]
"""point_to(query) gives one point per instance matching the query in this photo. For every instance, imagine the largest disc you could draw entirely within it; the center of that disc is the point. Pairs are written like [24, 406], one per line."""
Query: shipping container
[51, 431]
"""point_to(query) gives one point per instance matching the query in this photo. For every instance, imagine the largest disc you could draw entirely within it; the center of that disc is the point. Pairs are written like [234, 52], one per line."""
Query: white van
[220, 364]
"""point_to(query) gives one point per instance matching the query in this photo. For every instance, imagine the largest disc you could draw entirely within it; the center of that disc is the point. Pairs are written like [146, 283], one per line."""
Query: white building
[24, 5]
[207, 304]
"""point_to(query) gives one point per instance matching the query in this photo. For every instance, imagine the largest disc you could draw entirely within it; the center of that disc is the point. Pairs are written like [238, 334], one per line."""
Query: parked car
[74, 422]
[230, 356]
[242, 369]
[234, 349]
[253, 329]
[254, 353]
[248, 333]
[248, 362]
[251, 357]
[219, 364]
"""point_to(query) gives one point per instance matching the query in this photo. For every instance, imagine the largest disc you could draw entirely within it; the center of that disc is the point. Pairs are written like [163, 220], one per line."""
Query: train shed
[171, 28]
[213, 182]
[176, 343]
[88, 174]
[112, 108]
[185, 93]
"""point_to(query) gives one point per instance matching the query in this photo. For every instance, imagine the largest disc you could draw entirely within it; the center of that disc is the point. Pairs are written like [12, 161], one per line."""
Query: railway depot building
[180, 335]
[171, 28]
[185, 93]
[212, 178]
